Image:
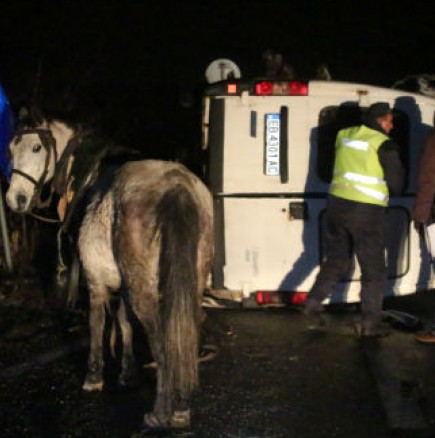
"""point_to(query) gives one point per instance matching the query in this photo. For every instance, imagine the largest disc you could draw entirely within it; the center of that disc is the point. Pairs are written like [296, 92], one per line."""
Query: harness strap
[60, 178]
[24, 175]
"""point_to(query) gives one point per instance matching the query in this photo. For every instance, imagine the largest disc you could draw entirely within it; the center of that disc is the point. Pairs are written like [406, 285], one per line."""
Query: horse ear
[23, 113]
[36, 115]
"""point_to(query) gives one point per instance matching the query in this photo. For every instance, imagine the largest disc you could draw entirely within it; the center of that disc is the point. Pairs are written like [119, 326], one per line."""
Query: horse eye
[36, 148]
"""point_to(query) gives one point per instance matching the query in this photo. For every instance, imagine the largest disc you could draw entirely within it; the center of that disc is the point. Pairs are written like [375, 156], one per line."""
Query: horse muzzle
[19, 202]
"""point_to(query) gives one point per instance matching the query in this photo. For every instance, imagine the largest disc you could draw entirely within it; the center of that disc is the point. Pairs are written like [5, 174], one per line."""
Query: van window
[334, 118]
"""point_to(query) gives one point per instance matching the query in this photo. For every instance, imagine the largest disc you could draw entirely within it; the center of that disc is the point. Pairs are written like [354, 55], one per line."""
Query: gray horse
[147, 231]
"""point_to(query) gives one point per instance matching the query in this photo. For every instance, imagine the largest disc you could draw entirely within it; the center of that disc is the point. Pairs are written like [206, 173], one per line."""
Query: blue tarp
[6, 130]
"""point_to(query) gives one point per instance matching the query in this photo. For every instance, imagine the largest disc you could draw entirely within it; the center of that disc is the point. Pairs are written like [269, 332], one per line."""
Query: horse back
[152, 178]
[150, 195]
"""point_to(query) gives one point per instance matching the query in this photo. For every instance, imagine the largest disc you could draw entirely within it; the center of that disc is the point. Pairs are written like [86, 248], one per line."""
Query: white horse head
[34, 152]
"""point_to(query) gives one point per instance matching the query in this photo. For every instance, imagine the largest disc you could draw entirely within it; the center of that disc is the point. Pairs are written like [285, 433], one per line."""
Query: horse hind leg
[128, 375]
[165, 413]
[94, 377]
[160, 415]
[169, 412]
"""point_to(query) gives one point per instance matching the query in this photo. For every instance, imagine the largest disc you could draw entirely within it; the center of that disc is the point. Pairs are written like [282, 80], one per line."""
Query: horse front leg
[128, 376]
[94, 377]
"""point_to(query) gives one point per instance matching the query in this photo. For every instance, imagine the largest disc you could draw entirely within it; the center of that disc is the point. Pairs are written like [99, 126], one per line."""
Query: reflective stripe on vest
[358, 175]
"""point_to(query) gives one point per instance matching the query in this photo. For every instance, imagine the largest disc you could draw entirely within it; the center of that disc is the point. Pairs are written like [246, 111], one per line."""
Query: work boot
[313, 312]
[373, 331]
[426, 338]
[312, 306]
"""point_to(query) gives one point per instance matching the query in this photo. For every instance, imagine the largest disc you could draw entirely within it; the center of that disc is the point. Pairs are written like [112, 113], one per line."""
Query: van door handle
[298, 210]
[283, 145]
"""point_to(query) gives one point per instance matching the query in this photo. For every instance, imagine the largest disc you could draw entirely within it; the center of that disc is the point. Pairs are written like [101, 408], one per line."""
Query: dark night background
[128, 66]
[135, 71]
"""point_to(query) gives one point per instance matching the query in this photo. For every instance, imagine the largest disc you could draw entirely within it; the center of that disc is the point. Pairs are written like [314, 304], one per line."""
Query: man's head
[381, 114]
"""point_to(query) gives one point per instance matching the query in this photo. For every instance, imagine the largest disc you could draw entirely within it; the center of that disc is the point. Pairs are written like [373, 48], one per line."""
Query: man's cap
[379, 109]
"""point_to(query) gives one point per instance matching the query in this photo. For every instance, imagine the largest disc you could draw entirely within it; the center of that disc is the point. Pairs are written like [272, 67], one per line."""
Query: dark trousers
[360, 228]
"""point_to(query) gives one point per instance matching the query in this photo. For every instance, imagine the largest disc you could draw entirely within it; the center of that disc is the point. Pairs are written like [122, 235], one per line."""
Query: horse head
[35, 149]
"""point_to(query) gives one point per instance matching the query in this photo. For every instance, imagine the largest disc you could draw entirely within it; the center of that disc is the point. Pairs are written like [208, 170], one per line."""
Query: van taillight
[280, 298]
[281, 88]
[232, 88]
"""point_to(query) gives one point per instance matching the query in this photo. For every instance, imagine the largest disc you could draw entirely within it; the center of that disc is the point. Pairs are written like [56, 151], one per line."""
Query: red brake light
[281, 88]
[281, 298]
[297, 88]
[299, 298]
[267, 297]
[263, 88]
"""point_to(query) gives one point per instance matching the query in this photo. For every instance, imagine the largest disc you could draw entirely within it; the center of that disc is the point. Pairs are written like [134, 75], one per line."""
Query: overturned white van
[270, 153]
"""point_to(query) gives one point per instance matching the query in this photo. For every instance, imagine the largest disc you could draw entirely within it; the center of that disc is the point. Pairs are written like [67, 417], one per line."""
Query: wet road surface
[271, 378]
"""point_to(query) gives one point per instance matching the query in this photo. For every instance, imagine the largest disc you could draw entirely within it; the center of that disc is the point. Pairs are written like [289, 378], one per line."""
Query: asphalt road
[272, 377]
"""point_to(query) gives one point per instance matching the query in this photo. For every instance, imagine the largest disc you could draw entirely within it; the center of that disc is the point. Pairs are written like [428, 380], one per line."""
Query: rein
[45, 219]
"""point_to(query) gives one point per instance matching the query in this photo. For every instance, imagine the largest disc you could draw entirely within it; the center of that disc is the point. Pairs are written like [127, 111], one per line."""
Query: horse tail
[178, 224]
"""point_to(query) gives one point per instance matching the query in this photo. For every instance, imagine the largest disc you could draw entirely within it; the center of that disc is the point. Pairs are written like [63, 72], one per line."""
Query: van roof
[353, 90]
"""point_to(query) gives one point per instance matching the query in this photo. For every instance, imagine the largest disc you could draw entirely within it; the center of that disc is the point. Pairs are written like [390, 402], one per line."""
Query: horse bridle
[49, 144]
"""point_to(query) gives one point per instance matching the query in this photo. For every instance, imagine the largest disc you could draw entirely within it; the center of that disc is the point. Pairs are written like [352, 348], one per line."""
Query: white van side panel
[265, 250]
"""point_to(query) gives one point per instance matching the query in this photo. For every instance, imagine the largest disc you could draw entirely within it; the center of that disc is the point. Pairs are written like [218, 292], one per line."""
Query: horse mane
[33, 116]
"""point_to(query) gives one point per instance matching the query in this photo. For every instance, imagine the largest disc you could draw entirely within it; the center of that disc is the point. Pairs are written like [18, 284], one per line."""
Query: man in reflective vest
[367, 170]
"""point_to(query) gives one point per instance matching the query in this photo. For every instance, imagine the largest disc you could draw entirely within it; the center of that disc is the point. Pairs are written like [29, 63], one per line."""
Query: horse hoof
[147, 430]
[151, 420]
[127, 380]
[152, 365]
[180, 419]
[92, 386]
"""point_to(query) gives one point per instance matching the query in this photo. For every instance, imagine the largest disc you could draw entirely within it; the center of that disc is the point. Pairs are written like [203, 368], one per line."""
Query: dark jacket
[425, 183]
[389, 158]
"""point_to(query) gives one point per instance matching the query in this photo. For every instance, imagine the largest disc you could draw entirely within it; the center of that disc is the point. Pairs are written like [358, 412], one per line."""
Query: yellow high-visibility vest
[358, 174]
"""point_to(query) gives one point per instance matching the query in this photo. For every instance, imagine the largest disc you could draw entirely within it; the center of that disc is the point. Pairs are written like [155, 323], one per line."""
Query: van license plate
[271, 153]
